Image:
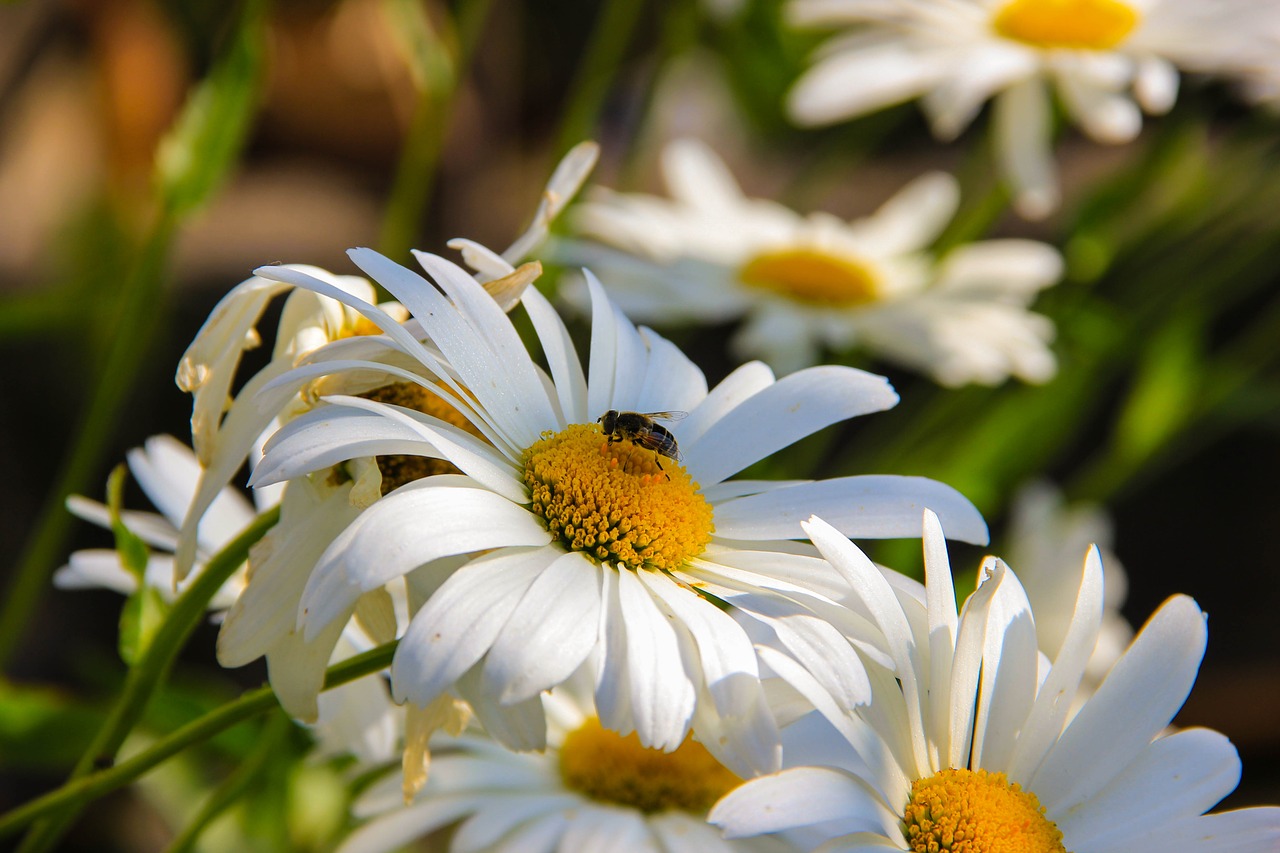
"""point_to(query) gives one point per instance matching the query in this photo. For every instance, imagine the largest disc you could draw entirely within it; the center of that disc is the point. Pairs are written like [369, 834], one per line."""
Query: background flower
[805, 284]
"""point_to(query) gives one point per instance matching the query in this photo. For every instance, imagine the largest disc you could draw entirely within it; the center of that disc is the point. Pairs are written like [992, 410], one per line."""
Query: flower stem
[154, 663]
[75, 794]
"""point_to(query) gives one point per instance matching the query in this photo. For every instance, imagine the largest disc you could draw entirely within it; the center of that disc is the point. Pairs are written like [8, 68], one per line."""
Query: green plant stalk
[77, 793]
[137, 321]
[233, 787]
[155, 662]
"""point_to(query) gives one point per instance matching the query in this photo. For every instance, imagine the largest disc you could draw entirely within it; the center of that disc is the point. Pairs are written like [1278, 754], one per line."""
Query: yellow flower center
[397, 470]
[613, 502]
[1072, 24]
[611, 768]
[973, 811]
[808, 275]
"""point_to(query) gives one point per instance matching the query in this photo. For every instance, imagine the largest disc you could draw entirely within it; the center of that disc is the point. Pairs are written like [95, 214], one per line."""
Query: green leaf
[143, 613]
[204, 143]
[133, 552]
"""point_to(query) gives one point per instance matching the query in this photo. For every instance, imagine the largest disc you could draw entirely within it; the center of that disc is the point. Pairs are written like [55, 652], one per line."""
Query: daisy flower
[557, 542]
[801, 283]
[1107, 60]
[591, 789]
[969, 735]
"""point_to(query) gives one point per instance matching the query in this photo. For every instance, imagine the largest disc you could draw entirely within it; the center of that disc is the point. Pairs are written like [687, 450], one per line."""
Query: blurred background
[153, 152]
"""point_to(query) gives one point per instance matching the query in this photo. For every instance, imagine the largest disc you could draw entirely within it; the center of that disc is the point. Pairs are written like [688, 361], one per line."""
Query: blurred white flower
[558, 541]
[1045, 539]
[801, 283]
[1107, 61]
[590, 790]
[167, 472]
[969, 731]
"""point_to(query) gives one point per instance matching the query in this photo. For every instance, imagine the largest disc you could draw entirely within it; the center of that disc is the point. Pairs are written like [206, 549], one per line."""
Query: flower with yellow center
[971, 742]
[805, 284]
[559, 544]
[591, 790]
[1107, 60]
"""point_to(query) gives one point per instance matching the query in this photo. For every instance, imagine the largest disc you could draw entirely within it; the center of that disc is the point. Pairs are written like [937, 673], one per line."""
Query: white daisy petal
[456, 627]
[566, 370]
[503, 814]
[1138, 698]
[814, 398]
[886, 75]
[743, 383]
[396, 829]
[1156, 85]
[682, 833]
[1053, 701]
[549, 633]
[867, 506]
[1123, 813]
[794, 798]
[597, 829]
[388, 540]
[662, 695]
[1022, 125]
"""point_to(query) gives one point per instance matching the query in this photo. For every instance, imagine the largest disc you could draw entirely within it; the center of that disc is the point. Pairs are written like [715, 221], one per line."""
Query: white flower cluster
[609, 640]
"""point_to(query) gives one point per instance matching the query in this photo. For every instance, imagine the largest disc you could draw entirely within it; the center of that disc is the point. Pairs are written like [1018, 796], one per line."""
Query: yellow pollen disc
[613, 503]
[611, 768]
[398, 470]
[973, 811]
[807, 275]
[1072, 24]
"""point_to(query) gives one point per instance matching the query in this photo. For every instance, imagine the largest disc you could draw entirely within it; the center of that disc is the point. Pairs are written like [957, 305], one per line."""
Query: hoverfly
[640, 428]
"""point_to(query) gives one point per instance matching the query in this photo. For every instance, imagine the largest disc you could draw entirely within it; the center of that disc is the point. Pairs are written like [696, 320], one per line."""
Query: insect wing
[667, 416]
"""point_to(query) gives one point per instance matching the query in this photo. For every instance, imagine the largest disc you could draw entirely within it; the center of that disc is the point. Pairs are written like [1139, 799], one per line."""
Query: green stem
[615, 23]
[75, 794]
[154, 664]
[136, 320]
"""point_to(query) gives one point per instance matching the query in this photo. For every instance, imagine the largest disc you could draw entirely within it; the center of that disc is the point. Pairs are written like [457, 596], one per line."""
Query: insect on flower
[640, 429]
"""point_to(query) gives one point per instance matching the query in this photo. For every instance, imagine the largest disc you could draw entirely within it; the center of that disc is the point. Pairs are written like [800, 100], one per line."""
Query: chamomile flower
[558, 542]
[1107, 60]
[968, 736]
[804, 283]
[591, 789]
[167, 472]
